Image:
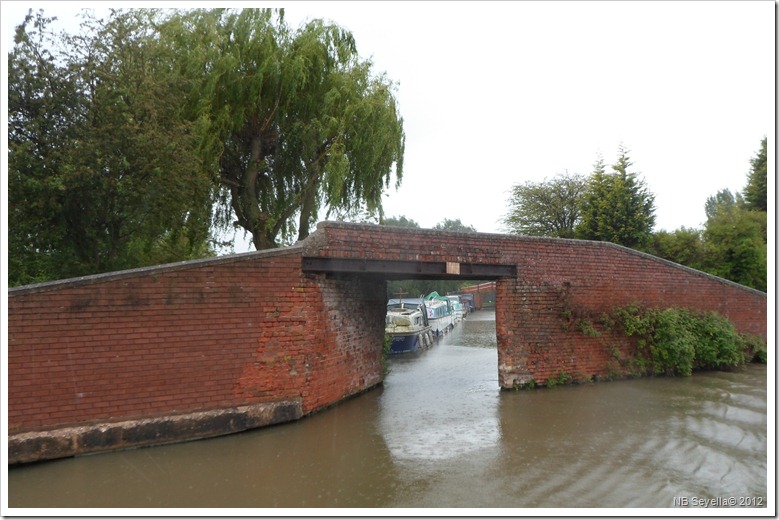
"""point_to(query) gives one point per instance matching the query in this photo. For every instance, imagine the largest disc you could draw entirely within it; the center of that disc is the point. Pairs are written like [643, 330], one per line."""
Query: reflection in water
[432, 410]
[441, 434]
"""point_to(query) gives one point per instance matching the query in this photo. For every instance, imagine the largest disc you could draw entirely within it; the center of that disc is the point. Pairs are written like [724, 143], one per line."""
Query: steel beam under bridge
[409, 269]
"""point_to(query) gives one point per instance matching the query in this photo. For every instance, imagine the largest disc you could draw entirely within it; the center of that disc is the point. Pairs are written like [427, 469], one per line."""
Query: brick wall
[187, 337]
[347, 360]
[566, 281]
[558, 281]
[252, 329]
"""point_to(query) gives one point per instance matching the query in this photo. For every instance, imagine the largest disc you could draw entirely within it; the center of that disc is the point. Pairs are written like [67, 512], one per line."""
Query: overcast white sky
[494, 94]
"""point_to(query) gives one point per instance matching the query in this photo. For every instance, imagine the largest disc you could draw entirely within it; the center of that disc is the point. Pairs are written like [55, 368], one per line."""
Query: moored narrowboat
[407, 326]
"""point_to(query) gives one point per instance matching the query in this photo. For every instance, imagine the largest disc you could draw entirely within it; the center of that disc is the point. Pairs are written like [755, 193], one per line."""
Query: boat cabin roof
[407, 302]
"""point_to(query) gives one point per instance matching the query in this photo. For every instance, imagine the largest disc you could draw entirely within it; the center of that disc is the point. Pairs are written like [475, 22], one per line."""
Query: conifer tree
[756, 191]
[618, 207]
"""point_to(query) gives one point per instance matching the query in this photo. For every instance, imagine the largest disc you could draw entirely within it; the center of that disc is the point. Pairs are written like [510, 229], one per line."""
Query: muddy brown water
[439, 433]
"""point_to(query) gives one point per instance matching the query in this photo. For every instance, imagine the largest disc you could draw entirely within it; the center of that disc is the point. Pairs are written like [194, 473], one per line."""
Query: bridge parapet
[366, 241]
[304, 324]
[555, 279]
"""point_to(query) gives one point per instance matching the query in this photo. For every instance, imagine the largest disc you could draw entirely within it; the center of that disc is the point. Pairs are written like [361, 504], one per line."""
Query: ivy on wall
[673, 341]
[676, 341]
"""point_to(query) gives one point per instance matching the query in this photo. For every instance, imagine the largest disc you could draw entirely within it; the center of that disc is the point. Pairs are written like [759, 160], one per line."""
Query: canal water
[440, 434]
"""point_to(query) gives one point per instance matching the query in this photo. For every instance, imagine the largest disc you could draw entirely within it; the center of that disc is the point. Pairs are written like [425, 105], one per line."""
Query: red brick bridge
[208, 347]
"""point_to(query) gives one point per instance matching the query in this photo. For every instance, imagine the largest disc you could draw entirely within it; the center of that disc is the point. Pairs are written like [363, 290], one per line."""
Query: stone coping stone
[109, 436]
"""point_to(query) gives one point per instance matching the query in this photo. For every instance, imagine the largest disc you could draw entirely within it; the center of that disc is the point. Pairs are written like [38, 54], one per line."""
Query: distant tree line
[617, 206]
[140, 139]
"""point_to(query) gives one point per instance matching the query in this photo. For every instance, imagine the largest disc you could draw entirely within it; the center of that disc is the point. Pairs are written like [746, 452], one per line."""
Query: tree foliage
[131, 140]
[736, 232]
[737, 247]
[733, 241]
[684, 246]
[101, 176]
[549, 208]
[676, 341]
[756, 190]
[618, 207]
[401, 221]
[289, 121]
[454, 225]
[723, 200]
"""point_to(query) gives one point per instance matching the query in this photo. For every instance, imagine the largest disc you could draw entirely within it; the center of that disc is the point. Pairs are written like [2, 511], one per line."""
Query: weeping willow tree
[289, 121]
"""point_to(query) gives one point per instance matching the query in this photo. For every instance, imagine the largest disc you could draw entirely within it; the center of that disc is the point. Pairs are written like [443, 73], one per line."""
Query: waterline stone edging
[108, 436]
